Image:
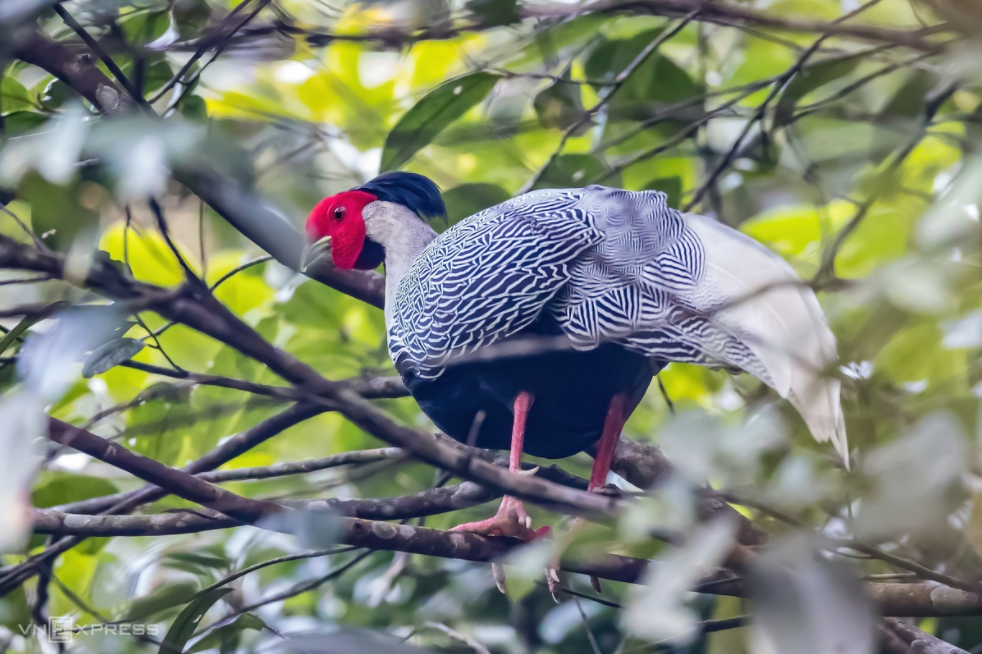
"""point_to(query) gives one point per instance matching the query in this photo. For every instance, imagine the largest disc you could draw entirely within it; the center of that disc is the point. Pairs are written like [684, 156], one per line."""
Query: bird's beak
[313, 251]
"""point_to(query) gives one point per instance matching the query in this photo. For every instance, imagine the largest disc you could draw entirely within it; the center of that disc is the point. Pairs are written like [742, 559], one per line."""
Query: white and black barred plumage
[613, 266]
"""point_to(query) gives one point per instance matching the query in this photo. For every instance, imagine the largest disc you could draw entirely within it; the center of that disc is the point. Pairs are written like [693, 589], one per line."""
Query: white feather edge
[765, 300]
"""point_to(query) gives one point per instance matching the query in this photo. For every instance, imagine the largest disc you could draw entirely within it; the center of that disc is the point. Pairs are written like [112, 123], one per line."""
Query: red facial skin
[340, 217]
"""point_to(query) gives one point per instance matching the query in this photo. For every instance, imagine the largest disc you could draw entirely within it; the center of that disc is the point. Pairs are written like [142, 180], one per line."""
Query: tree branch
[729, 14]
[919, 641]
[357, 532]
[719, 13]
[899, 600]
[98, 504]
[82, 76]
[432, 501]
[173, 481]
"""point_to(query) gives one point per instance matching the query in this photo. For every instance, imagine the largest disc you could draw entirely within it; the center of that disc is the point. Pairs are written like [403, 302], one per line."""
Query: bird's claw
[553, 580]
[511, 520]
[498, 572]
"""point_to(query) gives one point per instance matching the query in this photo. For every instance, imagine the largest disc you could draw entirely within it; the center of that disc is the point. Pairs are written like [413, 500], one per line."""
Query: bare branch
[356, 532]
[899, 600]
[719, 13]
[433, 501]
[175, 482]
[919, 641]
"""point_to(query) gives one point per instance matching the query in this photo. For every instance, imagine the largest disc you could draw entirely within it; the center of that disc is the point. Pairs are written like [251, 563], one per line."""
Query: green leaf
[310, 306]
[56, 213]
[184, 626]
[492, 13]
[77, 390]
[54, 93]
[217, 412]
[162, 425]
[573, 170]
[814, 9]
[809, 80]
[14, 97]
[15, 332]
[163, 597]
[146, 27]
[191, 17]
[92, 546]
[468, 199]
[8, 377]
[15, 610]
[908, 101]
[19, 123]
[658, 80]
[917, 353]
[558, 36]
[670, 186]
[431, 115]
[109, 355]
[225, 638]
[67, 488]
[560, 104]
[792, 230]
[198, 559]
[158, 72]
[193, 107]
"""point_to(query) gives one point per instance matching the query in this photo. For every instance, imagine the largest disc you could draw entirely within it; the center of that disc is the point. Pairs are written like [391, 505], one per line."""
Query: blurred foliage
[297, 114]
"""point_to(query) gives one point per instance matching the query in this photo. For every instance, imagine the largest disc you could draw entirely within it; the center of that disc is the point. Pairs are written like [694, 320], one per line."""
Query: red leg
[522, 405]
[511, 518]
[617, 414]
[613, 426]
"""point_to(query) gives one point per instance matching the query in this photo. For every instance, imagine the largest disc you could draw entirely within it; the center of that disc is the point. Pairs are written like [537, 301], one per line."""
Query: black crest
[411, 190]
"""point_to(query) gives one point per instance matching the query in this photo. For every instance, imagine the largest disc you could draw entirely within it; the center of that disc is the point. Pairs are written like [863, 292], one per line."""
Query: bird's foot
[512, 521]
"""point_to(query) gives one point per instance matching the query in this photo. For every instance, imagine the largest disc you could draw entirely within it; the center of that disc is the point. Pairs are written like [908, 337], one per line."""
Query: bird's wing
[486, 278]
[687, 288]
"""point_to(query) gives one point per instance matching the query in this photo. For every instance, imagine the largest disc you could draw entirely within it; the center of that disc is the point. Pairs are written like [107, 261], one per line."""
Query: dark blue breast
[572, 393]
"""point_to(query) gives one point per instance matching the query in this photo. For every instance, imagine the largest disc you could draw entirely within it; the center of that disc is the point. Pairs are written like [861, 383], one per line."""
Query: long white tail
[764, 301]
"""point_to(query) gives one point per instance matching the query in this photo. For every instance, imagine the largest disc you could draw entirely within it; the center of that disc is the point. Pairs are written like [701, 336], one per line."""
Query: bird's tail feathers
[820, 408]
[759, 297]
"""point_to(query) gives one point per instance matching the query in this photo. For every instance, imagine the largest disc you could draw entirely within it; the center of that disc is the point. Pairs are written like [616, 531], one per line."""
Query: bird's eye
[338, 213]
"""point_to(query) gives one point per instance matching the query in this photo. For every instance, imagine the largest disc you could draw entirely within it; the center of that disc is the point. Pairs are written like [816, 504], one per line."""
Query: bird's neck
[404, 237]
[400, 255]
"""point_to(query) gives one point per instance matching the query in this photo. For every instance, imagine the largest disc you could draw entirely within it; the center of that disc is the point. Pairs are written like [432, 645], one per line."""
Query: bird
[537, 325]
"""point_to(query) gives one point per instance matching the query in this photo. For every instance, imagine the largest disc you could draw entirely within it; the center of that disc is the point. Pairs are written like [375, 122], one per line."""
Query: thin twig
[612, 89]
[104, 57]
